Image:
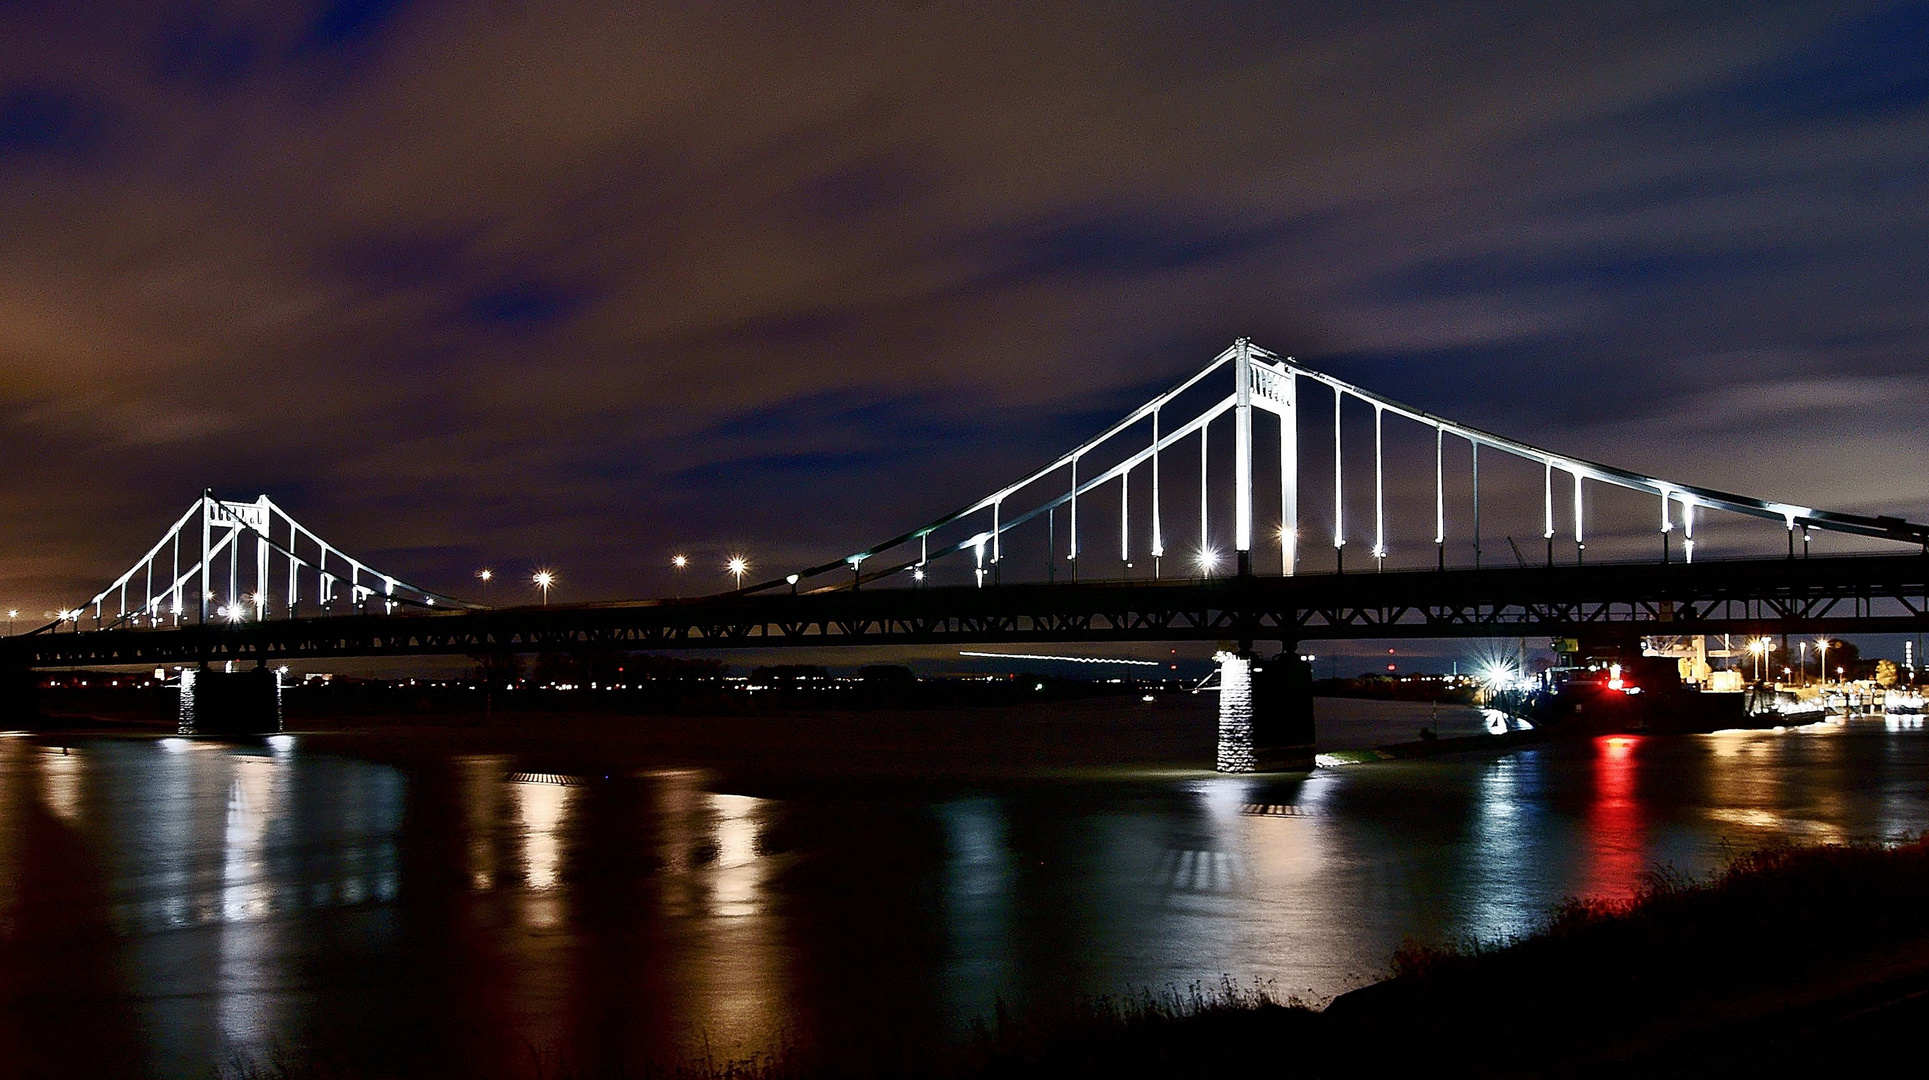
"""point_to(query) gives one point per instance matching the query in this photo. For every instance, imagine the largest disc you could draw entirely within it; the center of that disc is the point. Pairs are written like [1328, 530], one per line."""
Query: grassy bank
[1793, 962]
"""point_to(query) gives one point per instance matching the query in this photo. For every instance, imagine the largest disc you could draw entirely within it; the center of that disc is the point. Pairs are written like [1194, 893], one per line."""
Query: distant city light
[679, 561]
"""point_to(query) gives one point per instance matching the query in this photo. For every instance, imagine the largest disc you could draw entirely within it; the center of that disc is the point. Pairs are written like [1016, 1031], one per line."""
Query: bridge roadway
[1832, 595]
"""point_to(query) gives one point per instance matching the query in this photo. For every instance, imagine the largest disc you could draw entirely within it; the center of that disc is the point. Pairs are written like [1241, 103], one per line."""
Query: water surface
[164, 904]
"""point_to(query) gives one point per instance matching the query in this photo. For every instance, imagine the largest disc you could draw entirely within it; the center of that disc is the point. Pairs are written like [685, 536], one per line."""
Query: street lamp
[544, 579]
[677, 563]
[485, 576]
[1208, 561]
[1823, 666]
[737, 566]
[12, 614]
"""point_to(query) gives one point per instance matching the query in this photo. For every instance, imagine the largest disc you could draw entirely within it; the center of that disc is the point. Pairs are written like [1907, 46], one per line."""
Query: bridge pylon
[274, 567]
[1059, 496]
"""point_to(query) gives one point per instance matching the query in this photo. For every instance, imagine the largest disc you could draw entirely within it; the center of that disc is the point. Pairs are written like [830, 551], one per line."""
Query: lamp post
[737, 566]
[12, 614]
[543, 580]
[485, 576]
[677, 563]
[1822, 668]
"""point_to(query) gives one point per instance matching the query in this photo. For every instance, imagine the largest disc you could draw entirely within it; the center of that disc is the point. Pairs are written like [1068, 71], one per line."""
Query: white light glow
[1066, 659]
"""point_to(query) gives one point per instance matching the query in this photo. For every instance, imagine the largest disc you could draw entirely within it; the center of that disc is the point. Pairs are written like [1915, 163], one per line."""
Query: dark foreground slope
[1792, 962]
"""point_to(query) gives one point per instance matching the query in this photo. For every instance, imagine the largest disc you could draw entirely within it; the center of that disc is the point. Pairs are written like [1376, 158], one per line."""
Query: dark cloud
[528, 301]
[342, 23]
[50, 121]
[589, 282]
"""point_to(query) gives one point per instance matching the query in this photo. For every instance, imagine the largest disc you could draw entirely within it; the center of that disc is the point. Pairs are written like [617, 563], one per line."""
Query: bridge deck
[1837, 595]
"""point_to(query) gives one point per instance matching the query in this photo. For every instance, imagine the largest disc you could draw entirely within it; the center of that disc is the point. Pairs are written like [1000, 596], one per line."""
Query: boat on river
[1646, 695]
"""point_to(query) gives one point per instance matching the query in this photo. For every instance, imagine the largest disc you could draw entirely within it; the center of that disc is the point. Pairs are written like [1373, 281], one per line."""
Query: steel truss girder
[1867, 594]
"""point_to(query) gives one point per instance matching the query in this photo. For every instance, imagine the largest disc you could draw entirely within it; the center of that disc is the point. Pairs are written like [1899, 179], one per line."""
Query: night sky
[510, 284]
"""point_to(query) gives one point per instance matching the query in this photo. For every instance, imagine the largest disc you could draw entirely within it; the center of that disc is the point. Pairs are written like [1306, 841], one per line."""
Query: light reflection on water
[459, 911]
[1615, 826]
[62, 771]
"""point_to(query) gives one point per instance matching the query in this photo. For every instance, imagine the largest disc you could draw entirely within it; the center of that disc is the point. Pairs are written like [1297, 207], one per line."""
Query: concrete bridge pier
[19, 696]
[244, 702]
[1265, 712]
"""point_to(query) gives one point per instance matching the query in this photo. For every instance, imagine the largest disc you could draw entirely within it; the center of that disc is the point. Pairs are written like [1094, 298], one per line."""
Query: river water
[166, 906]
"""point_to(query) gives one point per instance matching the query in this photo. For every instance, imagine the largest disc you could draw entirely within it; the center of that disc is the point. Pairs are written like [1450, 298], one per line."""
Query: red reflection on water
[1617, 855]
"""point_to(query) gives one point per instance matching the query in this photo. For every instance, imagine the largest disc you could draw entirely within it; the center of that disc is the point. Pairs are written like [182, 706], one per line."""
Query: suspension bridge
[244, 581]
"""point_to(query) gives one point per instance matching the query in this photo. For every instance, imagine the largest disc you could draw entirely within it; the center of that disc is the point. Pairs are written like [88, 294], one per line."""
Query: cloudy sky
[506, 283]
